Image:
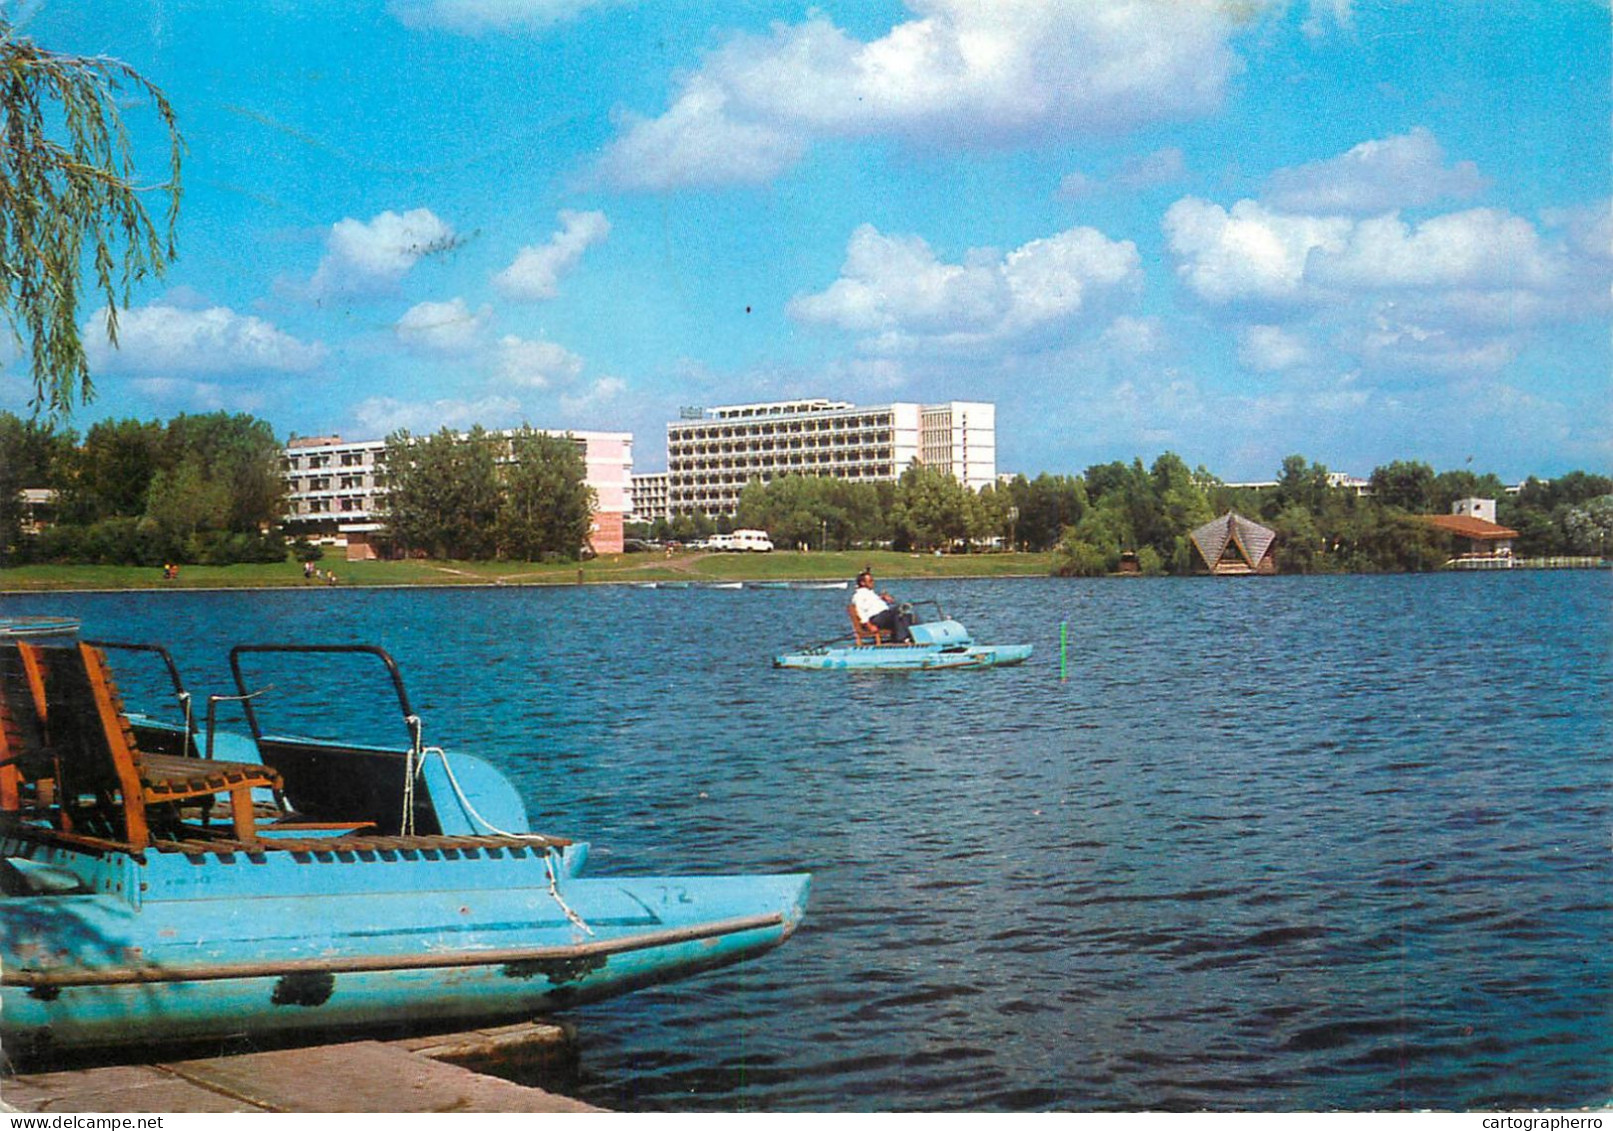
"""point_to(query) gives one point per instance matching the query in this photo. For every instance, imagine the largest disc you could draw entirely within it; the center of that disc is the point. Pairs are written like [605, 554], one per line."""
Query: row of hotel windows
[323, 483]
[316, 463]
[750, 431]
[677, 449]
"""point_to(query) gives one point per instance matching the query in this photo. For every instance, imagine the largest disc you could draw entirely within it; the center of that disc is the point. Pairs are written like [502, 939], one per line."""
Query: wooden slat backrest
[24, 758]
[99, 759]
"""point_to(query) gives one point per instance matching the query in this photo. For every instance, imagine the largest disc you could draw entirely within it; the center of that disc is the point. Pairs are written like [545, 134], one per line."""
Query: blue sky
[1355, 229]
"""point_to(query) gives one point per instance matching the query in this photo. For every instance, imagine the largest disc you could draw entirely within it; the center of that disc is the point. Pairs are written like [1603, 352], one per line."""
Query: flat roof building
[713, 453]
[336, 489]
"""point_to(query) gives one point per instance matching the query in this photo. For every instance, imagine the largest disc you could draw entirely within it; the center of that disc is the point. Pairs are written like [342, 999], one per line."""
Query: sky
[1355, 230]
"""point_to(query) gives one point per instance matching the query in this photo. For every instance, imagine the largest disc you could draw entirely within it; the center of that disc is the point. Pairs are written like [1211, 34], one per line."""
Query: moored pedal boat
[290, 885]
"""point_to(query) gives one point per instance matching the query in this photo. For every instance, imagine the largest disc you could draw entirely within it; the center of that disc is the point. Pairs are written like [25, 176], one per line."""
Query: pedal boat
[940, 642]
[161, 884]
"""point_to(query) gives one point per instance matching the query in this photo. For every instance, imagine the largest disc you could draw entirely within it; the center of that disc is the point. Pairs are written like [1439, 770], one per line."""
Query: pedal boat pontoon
[160, 885]
[939, 642]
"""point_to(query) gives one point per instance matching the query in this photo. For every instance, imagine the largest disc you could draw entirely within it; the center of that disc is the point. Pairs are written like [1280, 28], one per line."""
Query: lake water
[1287, 843]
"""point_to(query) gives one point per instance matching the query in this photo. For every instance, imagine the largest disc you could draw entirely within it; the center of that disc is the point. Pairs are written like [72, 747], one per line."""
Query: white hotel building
[336, 489]
[712, 453]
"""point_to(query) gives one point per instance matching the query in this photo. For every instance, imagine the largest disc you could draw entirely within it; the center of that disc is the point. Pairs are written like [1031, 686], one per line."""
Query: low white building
[336, 489]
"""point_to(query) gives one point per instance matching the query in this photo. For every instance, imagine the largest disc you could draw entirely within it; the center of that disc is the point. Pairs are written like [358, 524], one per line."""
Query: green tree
[933, 510]
[114, 472]
[32, 455]
[1408, 485]
[443, 493]
[69, 197]
[1589, 526]
[547, 505]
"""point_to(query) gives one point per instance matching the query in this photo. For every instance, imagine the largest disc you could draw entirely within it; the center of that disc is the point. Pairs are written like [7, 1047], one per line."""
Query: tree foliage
[69, 196]
[547, 505]
[480, 496]
[199, 489]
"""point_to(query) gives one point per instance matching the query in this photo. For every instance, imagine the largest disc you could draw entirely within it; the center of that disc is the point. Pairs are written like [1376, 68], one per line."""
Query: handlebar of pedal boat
[318, 649]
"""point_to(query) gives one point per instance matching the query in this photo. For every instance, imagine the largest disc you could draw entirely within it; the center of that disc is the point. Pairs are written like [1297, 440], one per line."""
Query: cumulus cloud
[967, 72]
[1483, 249]
[381, 416]
[896, 292]
[443, 327]
[168, 339]
[1249, 253]
[370, 257]
[1376, 176]
[535, 364]
[1304, 271]
[537, 270]
[475, 17]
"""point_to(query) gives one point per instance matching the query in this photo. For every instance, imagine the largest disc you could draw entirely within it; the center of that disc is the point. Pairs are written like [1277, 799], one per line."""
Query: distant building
[1232, 545]
[713, 453]
[1482, 543]
[648, 497]
[38, 509]
[1338, 480]
[336, 489]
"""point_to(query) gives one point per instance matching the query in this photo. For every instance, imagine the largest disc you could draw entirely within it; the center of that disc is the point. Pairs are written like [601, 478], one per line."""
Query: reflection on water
[1276, 843]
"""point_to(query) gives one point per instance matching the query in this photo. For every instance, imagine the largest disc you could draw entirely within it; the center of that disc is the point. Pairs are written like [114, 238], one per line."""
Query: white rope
[548, 855]
[412, 766]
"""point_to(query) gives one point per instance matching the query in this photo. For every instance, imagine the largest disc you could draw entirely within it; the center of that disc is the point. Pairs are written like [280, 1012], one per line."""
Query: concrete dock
[421, 1074]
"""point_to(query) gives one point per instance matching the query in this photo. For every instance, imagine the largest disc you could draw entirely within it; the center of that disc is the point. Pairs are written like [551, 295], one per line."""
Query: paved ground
[360, 1076]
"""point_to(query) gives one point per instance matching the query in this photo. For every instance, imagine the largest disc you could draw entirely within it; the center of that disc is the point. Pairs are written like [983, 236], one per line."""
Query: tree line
[207, 489]
[199, 489]
[1116, 510]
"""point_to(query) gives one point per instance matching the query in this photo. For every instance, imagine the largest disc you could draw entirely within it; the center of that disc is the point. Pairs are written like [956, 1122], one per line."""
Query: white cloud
[443, 327]
[962, 72]
[537, 270]
[381, 416]
[1251, 253]
[1273, 348]
[894, 289]
[166, 339]
[1482, 249]
[473, 17]
[1376, 176]
[535, 364]
[602, 394]
[370, 257]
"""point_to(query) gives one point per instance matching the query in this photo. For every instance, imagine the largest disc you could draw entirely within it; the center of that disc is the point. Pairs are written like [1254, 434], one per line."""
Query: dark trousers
[892, 620]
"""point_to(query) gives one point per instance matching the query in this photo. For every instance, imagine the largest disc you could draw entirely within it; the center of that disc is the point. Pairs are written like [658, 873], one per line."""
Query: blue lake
[1273, 844]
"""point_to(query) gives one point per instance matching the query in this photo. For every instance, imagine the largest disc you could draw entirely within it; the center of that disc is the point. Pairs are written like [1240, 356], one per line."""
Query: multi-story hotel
[648, 497]
[336, 489]
[712, 453]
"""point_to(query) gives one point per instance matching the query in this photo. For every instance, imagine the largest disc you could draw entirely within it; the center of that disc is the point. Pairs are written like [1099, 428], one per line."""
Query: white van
[755, 541]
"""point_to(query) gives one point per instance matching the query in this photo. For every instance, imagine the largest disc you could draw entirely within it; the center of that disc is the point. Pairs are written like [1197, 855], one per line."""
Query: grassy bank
[618, 568]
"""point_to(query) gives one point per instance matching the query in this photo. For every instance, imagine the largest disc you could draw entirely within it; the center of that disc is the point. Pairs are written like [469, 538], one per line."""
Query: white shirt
[867, 603]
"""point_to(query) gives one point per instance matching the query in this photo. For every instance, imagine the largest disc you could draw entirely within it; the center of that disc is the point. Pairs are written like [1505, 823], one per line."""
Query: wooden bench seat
[862, 631]
[106, 786]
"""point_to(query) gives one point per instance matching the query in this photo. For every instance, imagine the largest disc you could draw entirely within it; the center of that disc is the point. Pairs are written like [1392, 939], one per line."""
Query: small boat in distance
[938, 642]
[27, 628]
[164, 882]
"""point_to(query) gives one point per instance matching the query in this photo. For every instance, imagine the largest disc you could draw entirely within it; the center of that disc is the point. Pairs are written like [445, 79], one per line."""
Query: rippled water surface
[1272, 844]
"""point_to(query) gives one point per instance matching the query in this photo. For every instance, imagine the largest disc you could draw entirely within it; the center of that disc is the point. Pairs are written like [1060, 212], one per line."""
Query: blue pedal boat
[166, 882]
[938, 642]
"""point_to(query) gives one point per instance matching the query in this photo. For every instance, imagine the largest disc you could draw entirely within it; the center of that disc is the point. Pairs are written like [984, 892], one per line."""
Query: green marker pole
[1064, 626]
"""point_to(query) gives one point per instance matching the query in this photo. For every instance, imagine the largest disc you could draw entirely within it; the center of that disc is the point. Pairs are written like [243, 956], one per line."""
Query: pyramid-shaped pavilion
[1232, 545]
